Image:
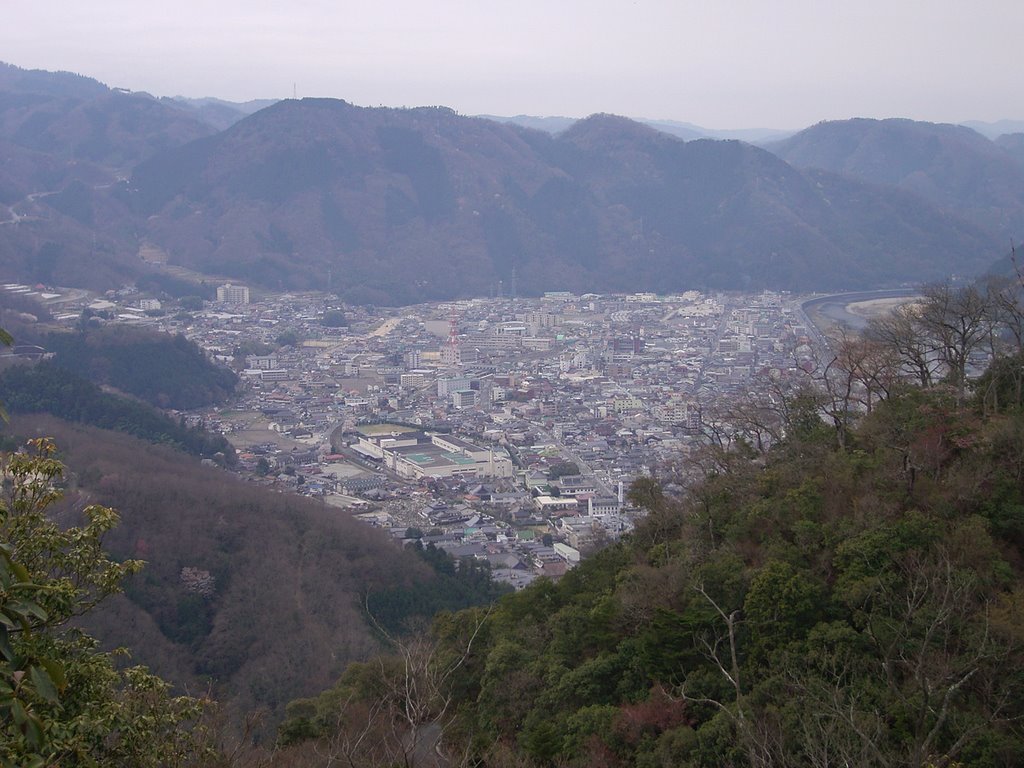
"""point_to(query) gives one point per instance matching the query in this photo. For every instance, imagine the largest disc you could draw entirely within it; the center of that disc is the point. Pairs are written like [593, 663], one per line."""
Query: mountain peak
[952, 166]
[610, 130]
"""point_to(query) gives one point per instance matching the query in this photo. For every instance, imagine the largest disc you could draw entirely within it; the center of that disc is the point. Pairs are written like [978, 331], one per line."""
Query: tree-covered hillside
[314, 192]
[47, 388]
[166, 371]
[952, 166]
[318, 187]
[62, 701]
[256, 596]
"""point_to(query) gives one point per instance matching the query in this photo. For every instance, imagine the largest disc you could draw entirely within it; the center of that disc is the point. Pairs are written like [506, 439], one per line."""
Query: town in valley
[507, 429]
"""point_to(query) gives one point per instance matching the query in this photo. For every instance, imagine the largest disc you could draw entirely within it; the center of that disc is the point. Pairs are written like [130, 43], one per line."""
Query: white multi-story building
[446, 386]
[233, 294]
[261, 362]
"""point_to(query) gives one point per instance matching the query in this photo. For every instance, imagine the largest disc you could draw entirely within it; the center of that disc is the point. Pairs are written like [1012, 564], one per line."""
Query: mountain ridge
[951, 166]
[388, 206]
[582, 205]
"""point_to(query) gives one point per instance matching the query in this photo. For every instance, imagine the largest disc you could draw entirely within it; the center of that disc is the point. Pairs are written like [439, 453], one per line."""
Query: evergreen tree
[62, 701]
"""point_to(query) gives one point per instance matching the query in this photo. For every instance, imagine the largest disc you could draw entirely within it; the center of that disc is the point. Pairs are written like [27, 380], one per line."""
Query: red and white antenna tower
[453, 330]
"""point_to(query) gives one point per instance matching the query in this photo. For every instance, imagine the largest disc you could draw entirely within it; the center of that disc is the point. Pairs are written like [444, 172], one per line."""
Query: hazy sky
[717, 63]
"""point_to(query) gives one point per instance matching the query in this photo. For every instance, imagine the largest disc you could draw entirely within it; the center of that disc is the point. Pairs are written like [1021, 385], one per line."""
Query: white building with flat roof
[415, 455]
[233, 294]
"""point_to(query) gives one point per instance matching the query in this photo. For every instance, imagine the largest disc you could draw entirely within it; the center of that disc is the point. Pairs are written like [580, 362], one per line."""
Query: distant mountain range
[218, 113]
[685, 131]
[993, 130]
[403, 205]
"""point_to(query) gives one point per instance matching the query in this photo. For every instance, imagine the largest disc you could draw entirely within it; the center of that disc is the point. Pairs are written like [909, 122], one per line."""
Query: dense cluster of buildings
[534, 413]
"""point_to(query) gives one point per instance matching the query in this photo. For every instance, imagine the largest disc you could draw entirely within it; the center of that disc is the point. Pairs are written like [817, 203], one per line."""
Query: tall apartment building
[233, 294]
[464, 398]
[446, 386]
[451, 354]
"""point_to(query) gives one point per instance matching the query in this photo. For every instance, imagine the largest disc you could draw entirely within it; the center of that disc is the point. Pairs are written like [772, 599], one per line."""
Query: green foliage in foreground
[858, 606]
[47, 388]
[62, 702]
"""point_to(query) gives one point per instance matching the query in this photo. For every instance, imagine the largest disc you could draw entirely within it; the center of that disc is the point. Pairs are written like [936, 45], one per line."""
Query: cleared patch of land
[878, 307]
[342, 501]
[343, 469]
[252, 429]
[387, 327]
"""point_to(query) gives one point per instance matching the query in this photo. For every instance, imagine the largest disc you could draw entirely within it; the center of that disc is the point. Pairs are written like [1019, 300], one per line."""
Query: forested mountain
[40, 82]
[685, 131]
[78, 119]
[66, 144]
[832, 602]
[321, 193]
[993, 130]
[165, 371]
[218, 113]
[26, 171]
[951, 166]
[307, 191]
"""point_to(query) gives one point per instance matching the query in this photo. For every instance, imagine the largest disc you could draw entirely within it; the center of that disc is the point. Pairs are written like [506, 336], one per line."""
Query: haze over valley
[429, 386]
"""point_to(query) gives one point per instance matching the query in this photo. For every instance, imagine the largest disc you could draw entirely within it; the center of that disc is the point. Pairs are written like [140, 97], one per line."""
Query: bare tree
[935, 338]
[870, 366]
[936, 658]
[361, 734]
[1006, 340]
[762, 418]
[955, 322]
[759, 737]
[841, 728]
[836, 389]
[1006, 307]
[904, 335]
[406, 721]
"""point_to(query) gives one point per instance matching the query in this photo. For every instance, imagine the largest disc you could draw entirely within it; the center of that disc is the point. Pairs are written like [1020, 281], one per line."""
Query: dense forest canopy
[166, 371]
[48, 388]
